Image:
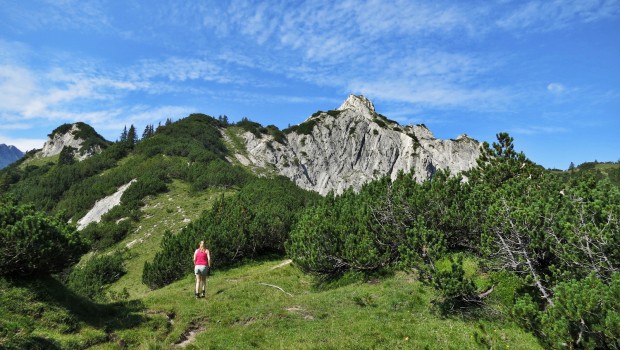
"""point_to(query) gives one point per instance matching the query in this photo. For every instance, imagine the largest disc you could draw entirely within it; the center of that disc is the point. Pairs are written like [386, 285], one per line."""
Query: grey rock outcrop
[352, 145]
[59, 140]
[103, 206]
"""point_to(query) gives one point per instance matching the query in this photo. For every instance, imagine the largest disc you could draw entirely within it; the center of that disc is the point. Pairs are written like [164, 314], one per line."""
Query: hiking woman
[202, 261]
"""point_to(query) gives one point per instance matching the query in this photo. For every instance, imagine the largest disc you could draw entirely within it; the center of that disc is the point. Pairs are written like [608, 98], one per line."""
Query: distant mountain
[352, 145]
[9, 154]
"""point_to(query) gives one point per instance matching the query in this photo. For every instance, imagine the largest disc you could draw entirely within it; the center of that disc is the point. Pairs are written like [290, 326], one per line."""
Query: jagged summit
[348, 147]
[358, 103]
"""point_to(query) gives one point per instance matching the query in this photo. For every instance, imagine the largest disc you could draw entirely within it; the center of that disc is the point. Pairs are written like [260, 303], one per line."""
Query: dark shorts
[201, 270]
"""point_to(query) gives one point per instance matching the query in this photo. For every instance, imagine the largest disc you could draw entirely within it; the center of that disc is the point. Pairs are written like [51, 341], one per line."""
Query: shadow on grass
[107, 317]
[468, 311]
[31, 343]
[328, 282]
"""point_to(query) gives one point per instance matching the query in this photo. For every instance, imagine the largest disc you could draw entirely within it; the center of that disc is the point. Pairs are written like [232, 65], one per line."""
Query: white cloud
[545, 15]
[394, 52]
[406, 17]
[65, 14]
[556, 88]
[180, 69]
[17, 86]
[534, 130]
[148, 115]
[58, 94]
[350, 45]
[436, 96]
[16, 126]
[23, 144]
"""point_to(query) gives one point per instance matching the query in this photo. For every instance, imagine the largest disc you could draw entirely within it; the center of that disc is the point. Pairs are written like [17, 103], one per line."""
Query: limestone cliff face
[352, 145]
[68, 136]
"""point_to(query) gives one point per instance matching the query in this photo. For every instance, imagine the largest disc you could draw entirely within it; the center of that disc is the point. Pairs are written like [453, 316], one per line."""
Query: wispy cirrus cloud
[66, 14]
[348, 45]
[29, 93]
[534, 130]
[384, 50]
[433, 95]
[543, 15]
[179, 70]
[139, 115]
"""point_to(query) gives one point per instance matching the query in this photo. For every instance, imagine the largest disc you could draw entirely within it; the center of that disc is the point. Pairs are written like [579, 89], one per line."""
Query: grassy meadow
[273, 305]
[267, 305]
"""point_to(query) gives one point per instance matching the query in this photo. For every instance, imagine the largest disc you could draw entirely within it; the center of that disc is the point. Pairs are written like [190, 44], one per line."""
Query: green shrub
[91, 279]
[218, 174]
[250, 126]
[147, 184]
[32, 243]
[585, 314]
[304, 128]
[341, 234]
[506, 288]
[379, 122]
[105, 233]
[454, 286]
[277, 134]
[171, 262]
[334, 112]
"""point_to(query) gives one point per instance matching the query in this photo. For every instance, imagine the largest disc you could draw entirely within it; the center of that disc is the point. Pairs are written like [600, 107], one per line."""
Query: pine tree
[124, 135]
[223, 119]
[148, 131]
[132, 137]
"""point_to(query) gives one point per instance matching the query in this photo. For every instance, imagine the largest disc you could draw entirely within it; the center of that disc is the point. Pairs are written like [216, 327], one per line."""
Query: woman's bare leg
[203, 283]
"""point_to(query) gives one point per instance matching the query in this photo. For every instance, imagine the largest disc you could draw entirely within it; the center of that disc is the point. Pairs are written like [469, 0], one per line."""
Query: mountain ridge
[352, 145]
[9, 154]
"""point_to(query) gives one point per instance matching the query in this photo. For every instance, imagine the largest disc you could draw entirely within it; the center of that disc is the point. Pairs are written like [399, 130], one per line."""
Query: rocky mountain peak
[80, 136]
[337, 151]
[359, 104]
[9, 154]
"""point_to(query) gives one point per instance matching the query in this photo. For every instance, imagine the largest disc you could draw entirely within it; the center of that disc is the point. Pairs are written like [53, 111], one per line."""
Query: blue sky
[547, 72]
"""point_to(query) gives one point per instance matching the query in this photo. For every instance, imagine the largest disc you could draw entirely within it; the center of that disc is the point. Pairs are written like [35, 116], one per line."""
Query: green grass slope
[171, 211]
[44, 314]
[266, 305]
[273, 305]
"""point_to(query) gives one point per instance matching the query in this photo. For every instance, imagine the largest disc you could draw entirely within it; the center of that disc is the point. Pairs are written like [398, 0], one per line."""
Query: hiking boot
[197, 295]
[202, 295]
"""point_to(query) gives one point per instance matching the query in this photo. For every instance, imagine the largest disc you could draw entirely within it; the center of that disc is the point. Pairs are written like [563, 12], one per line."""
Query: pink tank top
[201, 258]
